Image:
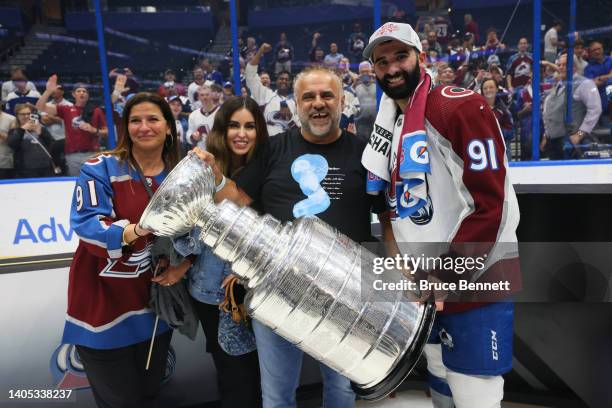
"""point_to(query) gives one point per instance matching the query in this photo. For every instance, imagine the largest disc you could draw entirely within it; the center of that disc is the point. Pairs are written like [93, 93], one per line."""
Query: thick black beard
[411, 81]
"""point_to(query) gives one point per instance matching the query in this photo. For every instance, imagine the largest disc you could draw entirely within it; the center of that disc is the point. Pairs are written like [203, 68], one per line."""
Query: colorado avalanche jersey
[203, 123]
[519, 66]
[280, 112]
[470, 197]
[108, 289]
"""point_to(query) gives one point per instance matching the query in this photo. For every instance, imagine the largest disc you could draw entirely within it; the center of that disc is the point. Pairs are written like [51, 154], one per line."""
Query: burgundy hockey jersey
[108, 289]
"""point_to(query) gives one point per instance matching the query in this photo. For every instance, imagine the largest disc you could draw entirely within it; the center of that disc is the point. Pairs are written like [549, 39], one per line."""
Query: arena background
[562, 353]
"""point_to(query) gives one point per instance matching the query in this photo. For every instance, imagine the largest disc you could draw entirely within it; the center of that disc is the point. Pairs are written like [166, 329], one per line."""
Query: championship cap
[393, 31]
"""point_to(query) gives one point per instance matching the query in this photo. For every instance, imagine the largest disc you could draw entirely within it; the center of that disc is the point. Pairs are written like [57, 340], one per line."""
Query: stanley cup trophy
[304, 281]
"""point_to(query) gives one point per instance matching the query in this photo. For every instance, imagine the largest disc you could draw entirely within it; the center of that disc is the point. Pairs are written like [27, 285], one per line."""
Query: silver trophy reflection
[304, 281]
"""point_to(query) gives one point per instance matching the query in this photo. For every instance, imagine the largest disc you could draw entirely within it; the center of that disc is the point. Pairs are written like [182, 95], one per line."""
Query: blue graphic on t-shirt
[309, 170]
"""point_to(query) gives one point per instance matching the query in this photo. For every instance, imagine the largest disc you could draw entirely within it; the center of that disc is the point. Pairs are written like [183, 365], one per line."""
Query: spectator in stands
[469, 44]
[586, 109]
[600, 71]
[31, 144]
[201, 120]
[170, 78]
[344, 70]
[318, 58]
[425, 45]
[84, 124]
[176, 106]
[446, 75]
[471, 26]
[350, 110]
[424, 30]
[475, 74]
[332, 60]
[493, 45]
[9, 86]
[55, 126]
[170, 89]
[279, 106]
[283, 55]
[316, 53]
[132, 86]
[523, 113]
[365, 89]
[489, 91]
[434, 45]
[579, 53]
[551, 42]
[198, 81]
[265, 79]
[210, 72]
[228, 91]
[217, 93]
[498, 75]
[249, 50]
[7, 122]
[21, 94]
[518, 67]
[356, 43]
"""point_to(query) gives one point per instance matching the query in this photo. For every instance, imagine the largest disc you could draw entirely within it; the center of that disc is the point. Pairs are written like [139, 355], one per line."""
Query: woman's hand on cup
[209, 159]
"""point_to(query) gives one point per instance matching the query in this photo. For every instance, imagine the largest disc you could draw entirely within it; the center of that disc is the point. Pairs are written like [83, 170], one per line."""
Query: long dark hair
[216, 142]
[171, 151]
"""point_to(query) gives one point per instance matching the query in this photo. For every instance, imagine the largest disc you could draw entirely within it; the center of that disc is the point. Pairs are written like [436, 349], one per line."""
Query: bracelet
[124, 242]
[221, 185]
[136, 233]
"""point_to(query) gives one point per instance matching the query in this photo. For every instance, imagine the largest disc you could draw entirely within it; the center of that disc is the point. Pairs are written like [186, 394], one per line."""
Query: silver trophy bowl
[305, 282]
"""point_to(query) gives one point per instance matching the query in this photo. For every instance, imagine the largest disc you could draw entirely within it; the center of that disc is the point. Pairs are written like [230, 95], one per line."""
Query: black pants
[555, 150]
[237, 376]
[118, 377]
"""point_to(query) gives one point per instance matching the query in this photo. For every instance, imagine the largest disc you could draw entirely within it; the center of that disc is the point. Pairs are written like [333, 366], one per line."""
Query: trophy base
[403, 368]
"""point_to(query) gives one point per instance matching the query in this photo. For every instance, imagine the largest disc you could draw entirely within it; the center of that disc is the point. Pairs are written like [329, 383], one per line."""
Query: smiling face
[205, 96]
[147, 128]
[241, 132]
[489, 89]
[397, 69]
[319, 103]
[282, 82]
[265, 79]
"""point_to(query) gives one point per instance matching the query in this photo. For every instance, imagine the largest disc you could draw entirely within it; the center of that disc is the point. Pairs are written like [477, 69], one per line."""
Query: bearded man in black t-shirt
[311, 171]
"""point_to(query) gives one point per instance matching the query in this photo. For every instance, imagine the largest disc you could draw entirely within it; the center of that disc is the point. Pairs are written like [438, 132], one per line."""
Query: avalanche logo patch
[67, 368]
[456, 92]
[137, 264]
[423, 215]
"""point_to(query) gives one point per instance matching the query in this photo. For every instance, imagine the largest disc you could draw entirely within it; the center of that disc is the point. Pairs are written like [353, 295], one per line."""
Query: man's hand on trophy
[209, 159]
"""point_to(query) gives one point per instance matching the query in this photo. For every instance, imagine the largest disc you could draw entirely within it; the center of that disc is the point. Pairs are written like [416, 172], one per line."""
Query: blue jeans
[280, 364]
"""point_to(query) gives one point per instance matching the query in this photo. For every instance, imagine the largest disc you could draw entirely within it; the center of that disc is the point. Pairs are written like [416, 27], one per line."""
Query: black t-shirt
[290, 177]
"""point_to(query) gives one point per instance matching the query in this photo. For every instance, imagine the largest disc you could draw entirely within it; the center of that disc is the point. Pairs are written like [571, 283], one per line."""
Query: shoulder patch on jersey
[97, 159]
[455, 92]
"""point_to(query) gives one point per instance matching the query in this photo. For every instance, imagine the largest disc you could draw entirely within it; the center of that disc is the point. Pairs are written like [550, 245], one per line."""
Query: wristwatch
[581, 134]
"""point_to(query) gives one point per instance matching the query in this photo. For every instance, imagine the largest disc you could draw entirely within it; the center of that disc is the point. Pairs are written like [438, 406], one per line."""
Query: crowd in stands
[59, 134]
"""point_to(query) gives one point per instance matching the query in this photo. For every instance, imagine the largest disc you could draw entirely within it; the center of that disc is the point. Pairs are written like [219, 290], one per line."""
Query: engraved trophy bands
[305, 281]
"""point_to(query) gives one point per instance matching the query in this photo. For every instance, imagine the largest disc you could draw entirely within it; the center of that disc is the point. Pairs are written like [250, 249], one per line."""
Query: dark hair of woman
[171, 152]
[216, 142]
